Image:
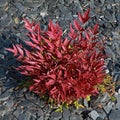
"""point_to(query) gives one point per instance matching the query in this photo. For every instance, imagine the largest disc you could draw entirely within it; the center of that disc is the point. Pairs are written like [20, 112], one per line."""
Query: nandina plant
[67, 69]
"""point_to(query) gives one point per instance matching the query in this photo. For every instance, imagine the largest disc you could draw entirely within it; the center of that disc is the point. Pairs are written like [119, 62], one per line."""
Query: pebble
[86, 103]
[108, 107]
[119, 91]
[66, 114]
[3, 110]
[75, 117]
[16, 20]
[94, 115]
[114, 115]
[17, 112]
[9, 103]
[40, 114]
[56, 116]
[5, 96]
[24, 116]
[102, 114]
[118, 102]
[104, 98]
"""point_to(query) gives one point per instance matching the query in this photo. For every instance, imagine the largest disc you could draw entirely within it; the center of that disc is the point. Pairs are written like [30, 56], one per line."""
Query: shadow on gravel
[9, 76]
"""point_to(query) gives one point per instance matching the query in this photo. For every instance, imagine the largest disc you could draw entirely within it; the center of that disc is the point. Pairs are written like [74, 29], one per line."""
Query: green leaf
[59, 109]
[78, 105]
[113, 98]
[88, 98]
[66, 105]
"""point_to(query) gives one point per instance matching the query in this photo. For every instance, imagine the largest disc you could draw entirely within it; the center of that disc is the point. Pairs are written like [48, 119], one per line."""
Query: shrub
[67, 69]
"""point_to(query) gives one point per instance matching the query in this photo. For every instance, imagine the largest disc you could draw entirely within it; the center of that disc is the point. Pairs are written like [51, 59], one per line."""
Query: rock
[109, 51]
[118, 102]
[94, 115]
[75, 117]
[17, 112]
[47, 116]
[118, 17]
[104, 98]
[3, 110]
[99, 118]
[66, 114]
[102, 114]
[2, 72]
[86, 103]
[5, 96]
[119, 91]
[108, 107]
[116, 35]
[85, 113]
[9, 116]
[9, 104]
[24, 116]
[114, 115]
[40, 119]
[2, 3]
[19, 6]
[61, 1]
[55, 115]
[40, 114]
[16, 20]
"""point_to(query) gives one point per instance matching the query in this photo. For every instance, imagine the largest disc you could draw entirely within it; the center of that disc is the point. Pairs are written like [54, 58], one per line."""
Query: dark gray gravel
[23, 105]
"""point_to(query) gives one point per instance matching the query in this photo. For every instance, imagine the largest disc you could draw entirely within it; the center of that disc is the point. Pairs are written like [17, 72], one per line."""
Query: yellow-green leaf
[88, 98]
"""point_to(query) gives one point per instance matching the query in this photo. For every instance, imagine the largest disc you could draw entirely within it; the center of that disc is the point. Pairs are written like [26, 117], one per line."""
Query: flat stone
[108, 107]
[26, 103]
[9, 116]
[94, 115]
[55, 115]
[100, 118]
[114, 115]
[24, 116]
[119, 91]
[17, 112]
[104, 98]
[109, 51]
[3, 110]
[9, 103]
[2, 3]
[5, 96]
[33, 118]
[2, 72]
[118, 102]
[75, 117]
[102, 114]
[66, 114]
[40, 113]
[16, 20]
[19, 6]
[34, 100]
[85, 103]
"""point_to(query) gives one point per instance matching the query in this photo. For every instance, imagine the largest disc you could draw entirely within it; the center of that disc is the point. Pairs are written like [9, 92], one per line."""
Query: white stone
[119, 91]
[94, 115]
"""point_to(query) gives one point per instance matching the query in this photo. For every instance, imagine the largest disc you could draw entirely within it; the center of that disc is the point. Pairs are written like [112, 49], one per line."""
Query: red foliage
[67, 69]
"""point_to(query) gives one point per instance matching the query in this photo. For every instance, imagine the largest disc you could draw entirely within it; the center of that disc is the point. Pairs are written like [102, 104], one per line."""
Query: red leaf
[53, 76]
[84, 18]
[77, 26]
[87, 35]
[95, 31]
[20, 50]
[50, 82]
[14, 50]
